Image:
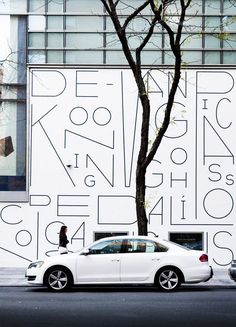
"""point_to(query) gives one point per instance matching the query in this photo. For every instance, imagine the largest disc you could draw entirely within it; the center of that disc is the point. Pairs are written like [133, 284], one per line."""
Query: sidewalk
[12, 277]
[16, 277]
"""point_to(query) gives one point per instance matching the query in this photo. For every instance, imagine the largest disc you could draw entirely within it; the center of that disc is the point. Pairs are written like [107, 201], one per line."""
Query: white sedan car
[123, 260]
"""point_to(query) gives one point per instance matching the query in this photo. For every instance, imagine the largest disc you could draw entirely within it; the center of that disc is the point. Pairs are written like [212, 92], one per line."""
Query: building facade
[70, 122]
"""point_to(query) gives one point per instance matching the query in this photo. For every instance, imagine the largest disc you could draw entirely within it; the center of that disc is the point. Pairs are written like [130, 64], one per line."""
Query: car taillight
[203, 258]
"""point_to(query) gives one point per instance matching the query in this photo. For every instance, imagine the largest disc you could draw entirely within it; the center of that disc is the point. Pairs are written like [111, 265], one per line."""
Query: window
[107, 247]
[151, 58]
[55, 22]
[210, 25]
[229, 57]
[212, 58]
[36, 40]
[191, 41]
[190, 240]
[212, 41]
[230, 41]
[99, 235]
[143, 246]
[13, 186]
[83, 57]
[55, 57]
[195, 7]
[37, 56]
[13, 122]
[115, 57]
[229, 7]
[36, 5]
[84, 6]
[84, 23]
[55, 40]
[55, 6]
[192, 57]
[212, 6]
[36, 23]
[12, 151]
[84, 41]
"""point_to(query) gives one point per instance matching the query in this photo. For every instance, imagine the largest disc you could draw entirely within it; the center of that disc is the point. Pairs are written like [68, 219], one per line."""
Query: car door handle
[155, 259]
[115, 260]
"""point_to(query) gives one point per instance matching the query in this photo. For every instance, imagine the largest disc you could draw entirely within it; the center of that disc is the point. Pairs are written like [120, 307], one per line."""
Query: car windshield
[106, 247]
[99, 245]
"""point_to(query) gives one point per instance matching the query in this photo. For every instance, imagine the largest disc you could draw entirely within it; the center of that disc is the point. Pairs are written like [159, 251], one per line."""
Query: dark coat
[63, 241]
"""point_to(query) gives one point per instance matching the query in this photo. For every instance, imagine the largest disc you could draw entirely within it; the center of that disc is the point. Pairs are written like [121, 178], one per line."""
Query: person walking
[63, 241]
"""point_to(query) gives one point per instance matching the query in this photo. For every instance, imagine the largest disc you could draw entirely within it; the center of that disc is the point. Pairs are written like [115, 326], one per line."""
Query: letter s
[214, 172]
[222, 247]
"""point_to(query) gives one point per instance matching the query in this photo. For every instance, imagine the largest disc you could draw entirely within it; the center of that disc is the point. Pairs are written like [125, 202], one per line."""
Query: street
[118, 306]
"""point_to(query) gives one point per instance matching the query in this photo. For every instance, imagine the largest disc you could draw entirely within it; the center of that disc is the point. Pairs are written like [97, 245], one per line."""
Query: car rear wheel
[58, 279]
[168, 279]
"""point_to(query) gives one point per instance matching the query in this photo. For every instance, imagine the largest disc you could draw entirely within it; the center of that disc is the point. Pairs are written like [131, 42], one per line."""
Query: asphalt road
[118, 306]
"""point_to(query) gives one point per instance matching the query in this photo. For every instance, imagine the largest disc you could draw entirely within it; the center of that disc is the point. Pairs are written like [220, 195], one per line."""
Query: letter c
[7, 220]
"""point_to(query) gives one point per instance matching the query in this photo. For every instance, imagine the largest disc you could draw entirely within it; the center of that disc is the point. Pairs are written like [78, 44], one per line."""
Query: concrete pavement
[12, 277]
[16, 277]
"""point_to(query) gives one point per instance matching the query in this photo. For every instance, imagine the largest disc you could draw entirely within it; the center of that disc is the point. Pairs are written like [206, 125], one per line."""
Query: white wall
[84, 127]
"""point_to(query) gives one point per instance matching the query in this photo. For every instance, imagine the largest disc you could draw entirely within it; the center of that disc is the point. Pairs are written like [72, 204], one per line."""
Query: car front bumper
[34, 276]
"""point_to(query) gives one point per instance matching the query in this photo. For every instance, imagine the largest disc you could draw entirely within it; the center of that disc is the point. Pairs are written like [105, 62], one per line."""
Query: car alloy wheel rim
[57, 280]
[168, 279]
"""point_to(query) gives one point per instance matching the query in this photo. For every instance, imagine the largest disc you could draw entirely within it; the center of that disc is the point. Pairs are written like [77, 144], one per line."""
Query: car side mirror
[86, 252]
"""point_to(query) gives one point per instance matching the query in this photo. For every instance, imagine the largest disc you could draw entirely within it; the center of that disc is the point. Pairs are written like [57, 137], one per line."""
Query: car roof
[130, 237]
[164, 242]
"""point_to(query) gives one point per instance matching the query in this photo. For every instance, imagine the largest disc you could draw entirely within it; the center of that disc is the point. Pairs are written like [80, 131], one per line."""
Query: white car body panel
[139, 267]
[85, 272]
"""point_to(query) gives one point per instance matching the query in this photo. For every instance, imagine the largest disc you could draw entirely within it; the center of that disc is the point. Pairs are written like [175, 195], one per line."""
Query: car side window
[160, 248]
[134, 246]
[106, 247]
[143, 246]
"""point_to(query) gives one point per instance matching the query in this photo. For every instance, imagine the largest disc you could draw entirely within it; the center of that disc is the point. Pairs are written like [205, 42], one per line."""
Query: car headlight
[36, 264]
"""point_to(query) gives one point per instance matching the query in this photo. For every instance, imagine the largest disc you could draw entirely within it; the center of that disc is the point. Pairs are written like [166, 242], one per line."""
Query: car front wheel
[58, 279]
[168, 279]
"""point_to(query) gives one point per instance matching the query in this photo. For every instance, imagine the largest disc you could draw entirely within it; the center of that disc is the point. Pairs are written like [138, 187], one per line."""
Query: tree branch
[135, 13]
[157, 14]
[175, 45]
[111, 9]
[150, 32]
[181, 21]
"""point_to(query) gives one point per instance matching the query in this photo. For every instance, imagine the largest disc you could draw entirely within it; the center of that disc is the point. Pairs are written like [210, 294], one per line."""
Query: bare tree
[159, 17]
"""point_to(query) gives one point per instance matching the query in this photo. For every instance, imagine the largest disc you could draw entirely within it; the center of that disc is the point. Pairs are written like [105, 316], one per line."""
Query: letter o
[78, 116]
[178, 156]
[212, 206]
[23, 237]
[102, 116]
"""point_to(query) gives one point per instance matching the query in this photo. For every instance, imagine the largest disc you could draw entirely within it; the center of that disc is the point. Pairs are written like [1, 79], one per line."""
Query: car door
[101, 265]
[140, 260]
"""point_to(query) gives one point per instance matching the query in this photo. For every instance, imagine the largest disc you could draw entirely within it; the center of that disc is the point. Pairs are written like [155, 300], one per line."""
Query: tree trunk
[140, 201]
[141, 167]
